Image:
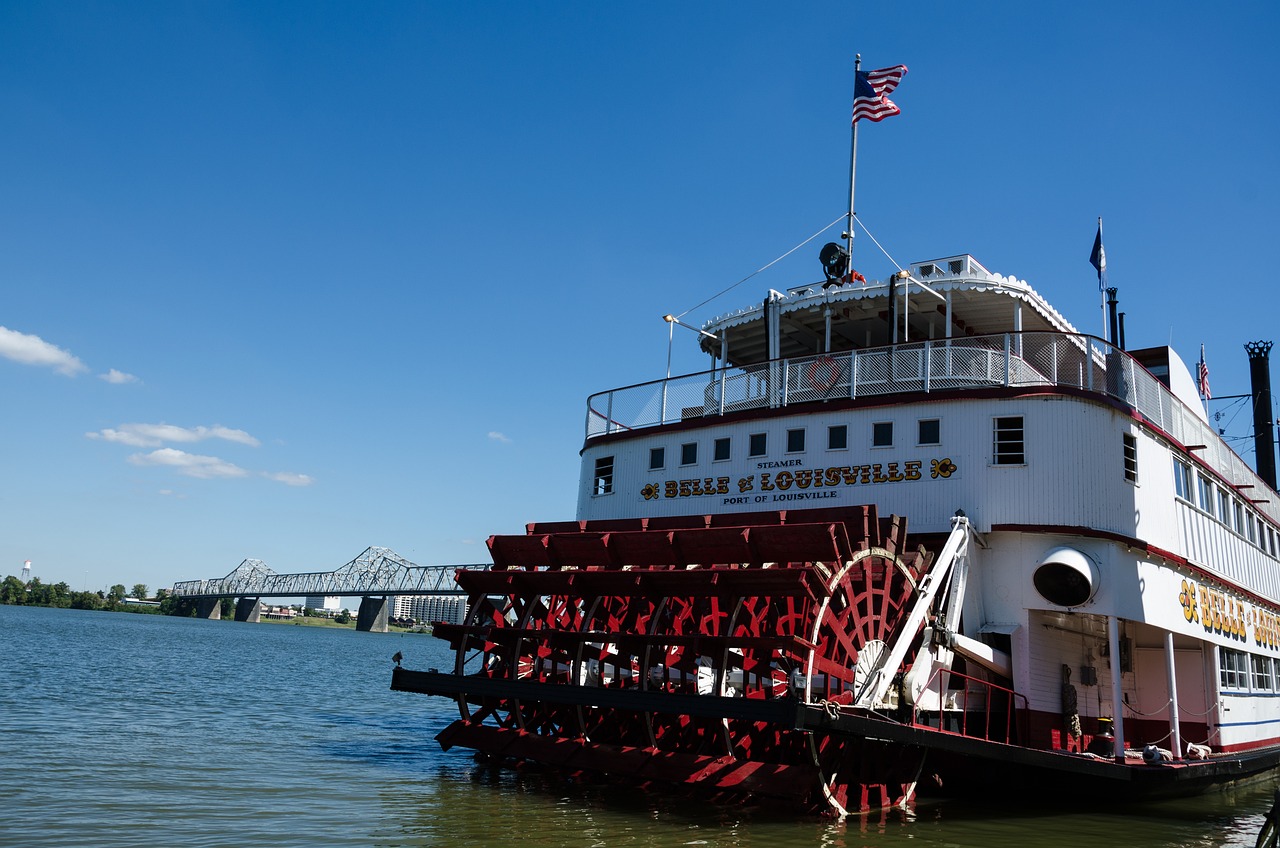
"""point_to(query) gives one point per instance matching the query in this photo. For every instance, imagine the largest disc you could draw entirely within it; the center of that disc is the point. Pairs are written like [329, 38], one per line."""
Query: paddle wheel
[694, 650]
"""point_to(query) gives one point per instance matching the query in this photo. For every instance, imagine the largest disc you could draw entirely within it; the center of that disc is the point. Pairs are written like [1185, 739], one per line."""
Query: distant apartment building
[323, 603]
[425, 608]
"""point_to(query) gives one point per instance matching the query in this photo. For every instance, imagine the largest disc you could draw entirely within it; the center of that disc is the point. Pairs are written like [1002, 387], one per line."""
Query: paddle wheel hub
[689, 650]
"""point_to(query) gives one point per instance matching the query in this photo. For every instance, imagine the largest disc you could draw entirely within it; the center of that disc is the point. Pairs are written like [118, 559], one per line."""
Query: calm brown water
[131, 730]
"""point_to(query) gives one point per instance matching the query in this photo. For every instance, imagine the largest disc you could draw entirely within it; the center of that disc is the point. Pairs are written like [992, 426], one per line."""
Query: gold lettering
[783, 480]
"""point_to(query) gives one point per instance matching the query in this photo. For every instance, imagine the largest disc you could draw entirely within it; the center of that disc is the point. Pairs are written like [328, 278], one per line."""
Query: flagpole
[853, 170]
[1102, 290]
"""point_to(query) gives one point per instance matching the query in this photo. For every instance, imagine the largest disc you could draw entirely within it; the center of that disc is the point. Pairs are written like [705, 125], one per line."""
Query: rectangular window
[657, 458]
[689, 453]
[1008, 446]
[795, 441]
[1205, 493]
[1248, 526]
[1224, 507]
[722, 449]
[1234, 673]
[838, 437]
[604, 476]
[929, 431]
[759, 443]
[1182, 479]
[1238, 510]
[1262, 676]
[882, 434]
[1271, 540]
[1131, 457]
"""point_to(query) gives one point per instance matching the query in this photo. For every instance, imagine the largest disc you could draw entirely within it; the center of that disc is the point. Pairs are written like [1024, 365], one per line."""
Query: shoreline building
[424, 608]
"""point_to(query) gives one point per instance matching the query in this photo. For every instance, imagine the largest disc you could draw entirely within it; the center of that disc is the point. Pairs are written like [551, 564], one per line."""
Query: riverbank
[319, 621]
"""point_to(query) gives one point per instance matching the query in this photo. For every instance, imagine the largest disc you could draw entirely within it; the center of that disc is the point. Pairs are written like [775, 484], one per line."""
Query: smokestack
[1264, 448]
[1111, 311]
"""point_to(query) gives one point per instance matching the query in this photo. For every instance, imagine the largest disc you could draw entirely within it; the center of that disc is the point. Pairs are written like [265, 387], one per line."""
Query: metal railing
[1028, 359]
[979, 709]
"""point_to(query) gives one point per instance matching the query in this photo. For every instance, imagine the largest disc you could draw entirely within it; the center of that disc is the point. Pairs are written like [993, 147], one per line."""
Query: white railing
[1077, 362]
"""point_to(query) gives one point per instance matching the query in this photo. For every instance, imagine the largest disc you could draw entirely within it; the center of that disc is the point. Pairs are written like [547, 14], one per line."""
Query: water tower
[26, 572]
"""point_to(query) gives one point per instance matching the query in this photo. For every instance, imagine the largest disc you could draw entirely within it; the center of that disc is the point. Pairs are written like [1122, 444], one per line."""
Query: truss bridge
[375, 576]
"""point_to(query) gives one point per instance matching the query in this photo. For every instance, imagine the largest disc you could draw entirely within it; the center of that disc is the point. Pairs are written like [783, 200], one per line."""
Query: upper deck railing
[1025, 359]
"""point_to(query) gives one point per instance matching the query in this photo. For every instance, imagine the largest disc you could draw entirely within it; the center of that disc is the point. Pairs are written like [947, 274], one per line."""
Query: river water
[139, 730]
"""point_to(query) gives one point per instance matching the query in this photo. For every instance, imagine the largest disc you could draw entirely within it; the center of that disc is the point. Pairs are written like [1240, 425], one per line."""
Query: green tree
[12, 591]
[140, 591]
[87, 600]
[115, 594]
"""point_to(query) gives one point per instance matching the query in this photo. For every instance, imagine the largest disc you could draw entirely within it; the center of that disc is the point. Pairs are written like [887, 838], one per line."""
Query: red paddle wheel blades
[681, 651]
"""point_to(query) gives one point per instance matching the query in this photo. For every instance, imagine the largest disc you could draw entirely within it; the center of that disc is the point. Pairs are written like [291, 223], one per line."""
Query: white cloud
[33, 350]
[189, 464]
[499, 437]
[117, 377]
[289, 478]
[154, 435]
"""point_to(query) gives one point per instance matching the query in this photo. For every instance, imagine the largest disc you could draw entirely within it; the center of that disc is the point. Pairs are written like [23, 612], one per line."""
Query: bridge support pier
[373, 614]
[210, 608]
[249, 609]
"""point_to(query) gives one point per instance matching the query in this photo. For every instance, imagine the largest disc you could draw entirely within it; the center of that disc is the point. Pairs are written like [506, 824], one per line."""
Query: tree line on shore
[36, 593]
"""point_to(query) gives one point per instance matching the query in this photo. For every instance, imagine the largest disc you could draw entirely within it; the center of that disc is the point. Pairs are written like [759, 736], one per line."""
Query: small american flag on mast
[1202, 376]
[871, 90]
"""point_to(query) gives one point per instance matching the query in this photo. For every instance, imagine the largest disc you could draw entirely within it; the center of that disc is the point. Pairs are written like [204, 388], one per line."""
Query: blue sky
[286, 280]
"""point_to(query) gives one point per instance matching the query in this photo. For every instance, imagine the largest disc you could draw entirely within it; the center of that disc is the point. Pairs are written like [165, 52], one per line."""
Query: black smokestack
[1260, 386]
[1111, 312]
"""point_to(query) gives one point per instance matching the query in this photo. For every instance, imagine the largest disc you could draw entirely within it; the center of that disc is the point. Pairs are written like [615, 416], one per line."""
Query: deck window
[1206, 493]
[929, 431]
[838, 437]
[604, 476]
[795, 441]
[1224, 507]
[1238, 509]
[1131, 457]
[1182, 479]
[1008, 445]
[759, 444]
[689, 453]
[657, 458]
[1234, 671]
[1262, 676]
[882, 434]
[721, 449]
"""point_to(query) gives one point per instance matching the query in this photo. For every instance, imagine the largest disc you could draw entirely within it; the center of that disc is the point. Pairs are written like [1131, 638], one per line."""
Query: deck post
[1117, 698]
[1175, 733]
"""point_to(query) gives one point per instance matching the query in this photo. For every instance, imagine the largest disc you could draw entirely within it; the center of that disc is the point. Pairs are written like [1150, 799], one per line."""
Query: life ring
[823, 374]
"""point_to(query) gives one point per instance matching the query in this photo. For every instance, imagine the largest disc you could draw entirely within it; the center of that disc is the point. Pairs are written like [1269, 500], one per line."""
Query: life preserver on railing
[823, 373]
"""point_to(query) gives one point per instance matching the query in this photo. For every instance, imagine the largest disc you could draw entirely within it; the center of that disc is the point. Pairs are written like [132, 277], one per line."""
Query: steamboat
[1088, 602]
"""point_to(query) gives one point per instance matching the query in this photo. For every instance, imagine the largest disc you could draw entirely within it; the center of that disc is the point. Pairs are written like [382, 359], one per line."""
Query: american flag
[870, 90]
[1202, 376]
